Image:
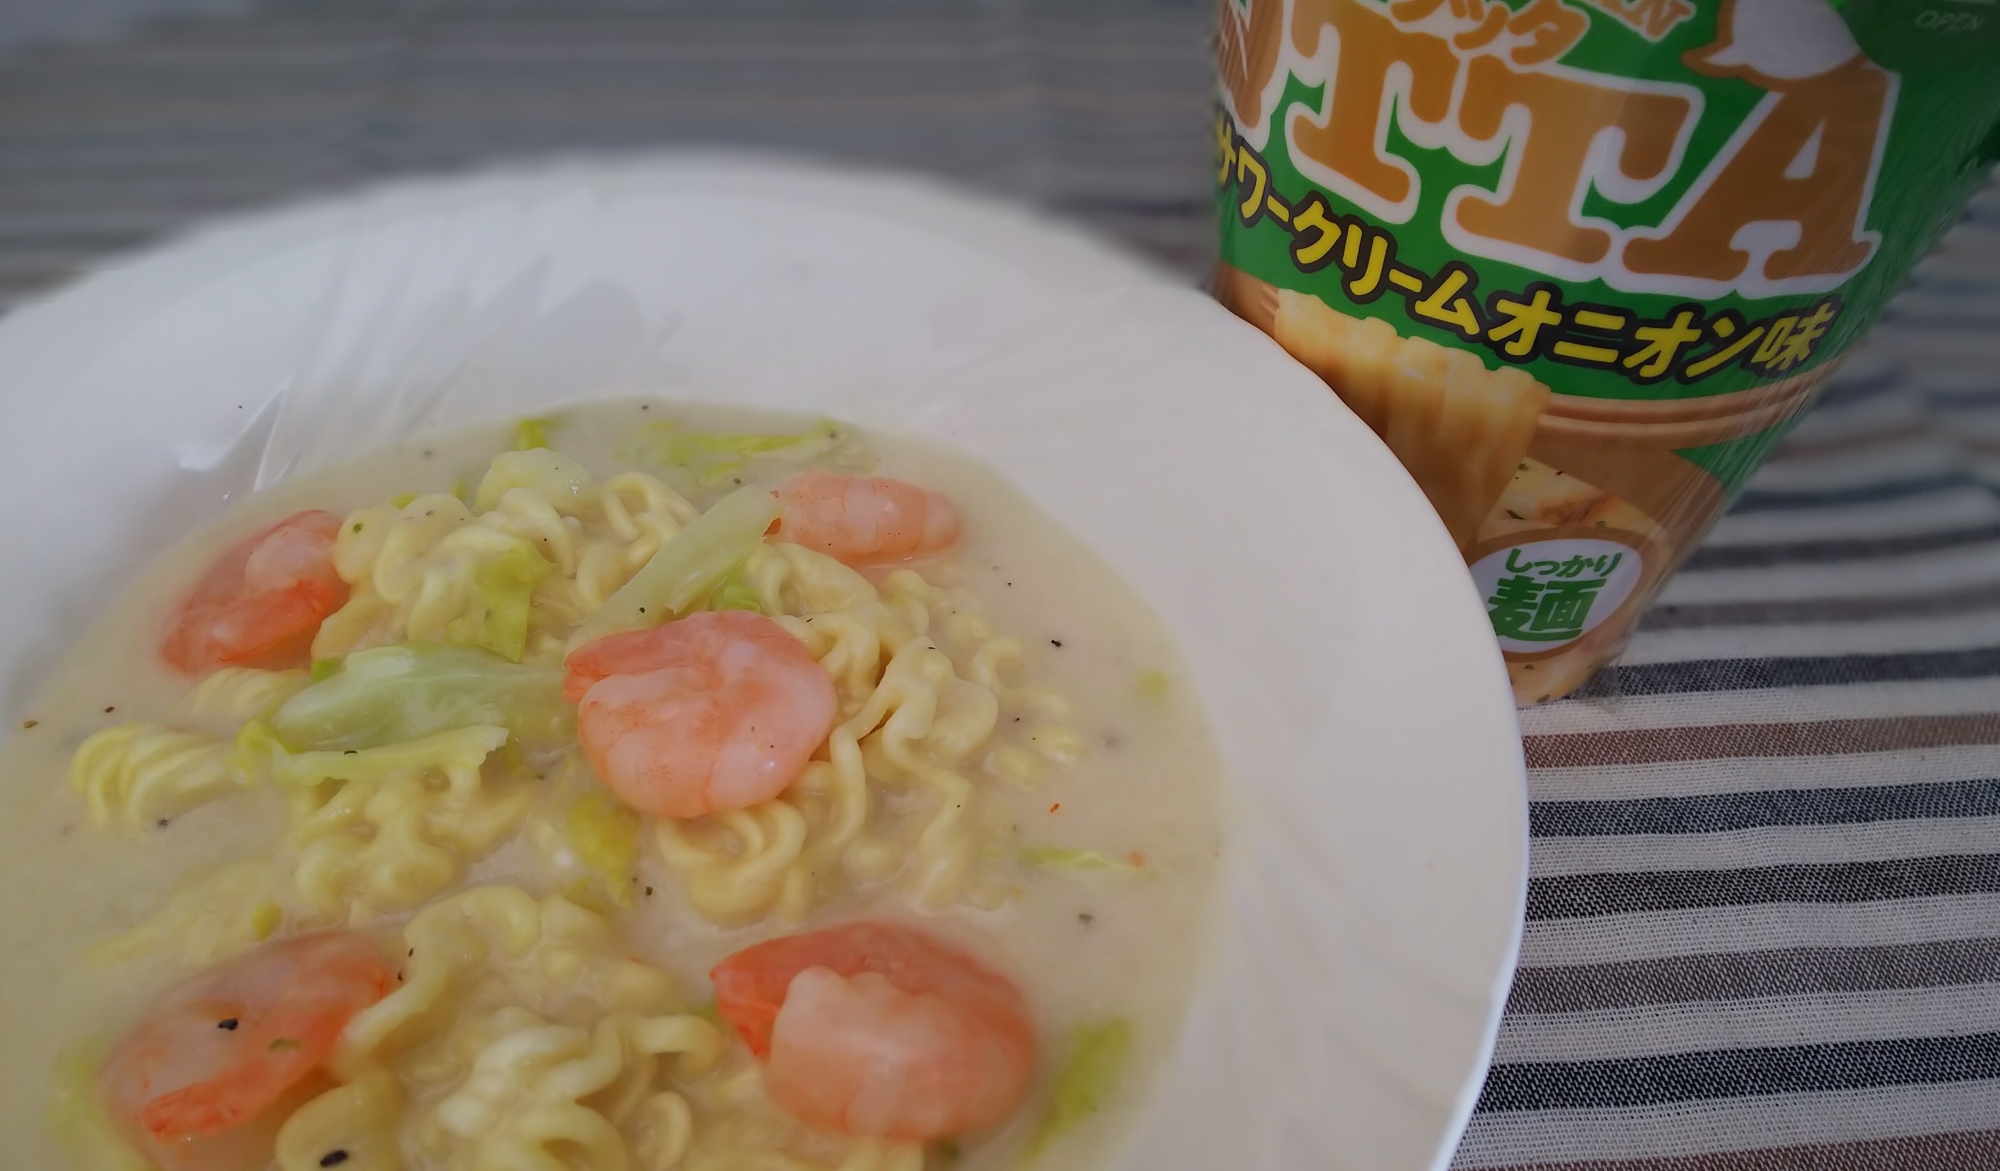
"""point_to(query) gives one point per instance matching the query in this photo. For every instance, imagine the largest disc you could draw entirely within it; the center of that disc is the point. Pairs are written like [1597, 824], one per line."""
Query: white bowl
[1374, 885]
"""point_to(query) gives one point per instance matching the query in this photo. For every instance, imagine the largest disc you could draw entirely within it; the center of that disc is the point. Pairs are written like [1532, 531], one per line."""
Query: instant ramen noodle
[662, 789]
[1580, 263]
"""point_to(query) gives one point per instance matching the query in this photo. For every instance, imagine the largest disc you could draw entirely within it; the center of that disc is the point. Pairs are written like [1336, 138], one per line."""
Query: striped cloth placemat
[1764, 899]
[1764, 919]
[1099, 112]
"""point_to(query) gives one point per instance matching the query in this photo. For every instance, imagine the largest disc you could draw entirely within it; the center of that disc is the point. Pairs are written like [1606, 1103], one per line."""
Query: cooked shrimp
[196, 1083]
[860, 519]
[880, 1029]
[714, 712]
[261, 602]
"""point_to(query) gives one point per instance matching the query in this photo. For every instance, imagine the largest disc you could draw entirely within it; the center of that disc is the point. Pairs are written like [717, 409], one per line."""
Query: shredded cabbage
[1076, 860]
[259, 753]
[605, 836]
[735, 593]
[1093, 1065]
[710, 458]
[532, 433]
[76, 1114]
[396, 693]
[565, 483]
[507, 585]
[687, 568]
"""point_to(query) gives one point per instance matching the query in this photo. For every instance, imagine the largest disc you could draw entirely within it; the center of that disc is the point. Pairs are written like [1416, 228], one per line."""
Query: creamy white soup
[644, 787]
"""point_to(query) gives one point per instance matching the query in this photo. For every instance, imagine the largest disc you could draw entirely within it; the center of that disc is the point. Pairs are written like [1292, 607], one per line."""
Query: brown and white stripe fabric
[1764, 913]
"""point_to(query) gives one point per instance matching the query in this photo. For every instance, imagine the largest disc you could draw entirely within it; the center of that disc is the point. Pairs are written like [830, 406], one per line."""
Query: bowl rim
[1064, 261]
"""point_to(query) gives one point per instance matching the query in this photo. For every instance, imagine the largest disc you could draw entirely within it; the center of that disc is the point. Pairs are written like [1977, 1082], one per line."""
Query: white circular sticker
[1541, 595]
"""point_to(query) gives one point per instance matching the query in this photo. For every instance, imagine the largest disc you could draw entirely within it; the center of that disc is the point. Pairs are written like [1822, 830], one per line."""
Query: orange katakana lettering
[1412, 11]
[1491, 23]
[1550, 29]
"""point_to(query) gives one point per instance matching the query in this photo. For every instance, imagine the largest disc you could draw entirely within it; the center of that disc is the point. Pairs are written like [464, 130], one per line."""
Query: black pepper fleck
[1055, 642]
[351, 752]
[110, 709]
[649, 892]
[162, 823]
[228, 1025]
[29, 723]
[333, 1158]
[1086, 918]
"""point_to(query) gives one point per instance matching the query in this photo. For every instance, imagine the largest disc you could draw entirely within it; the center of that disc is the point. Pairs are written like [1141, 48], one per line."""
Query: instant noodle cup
[1580, 263]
